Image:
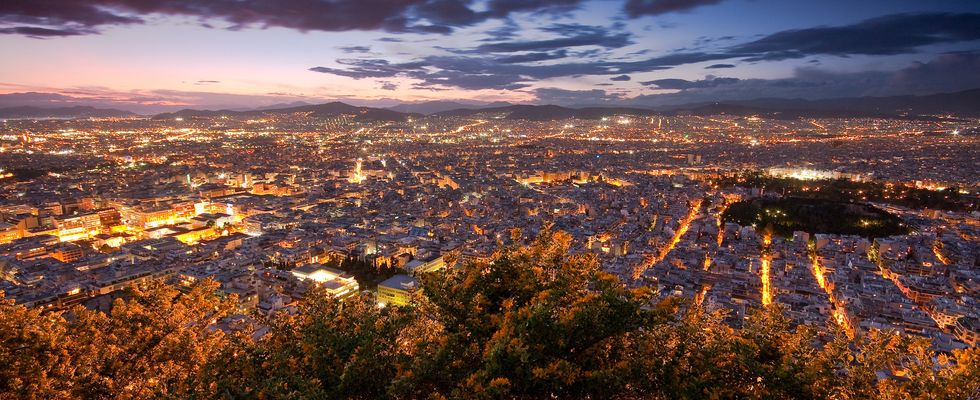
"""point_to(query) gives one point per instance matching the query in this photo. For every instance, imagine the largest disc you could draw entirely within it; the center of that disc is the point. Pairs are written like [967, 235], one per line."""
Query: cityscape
[483, 245]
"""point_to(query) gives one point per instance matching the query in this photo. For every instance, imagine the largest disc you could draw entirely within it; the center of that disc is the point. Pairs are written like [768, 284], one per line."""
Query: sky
[159, 55]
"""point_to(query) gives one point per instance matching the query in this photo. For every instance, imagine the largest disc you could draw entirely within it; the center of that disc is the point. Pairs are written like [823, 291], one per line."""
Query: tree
[34, 352]
[153, 344]
[327, 350]
[534, 322]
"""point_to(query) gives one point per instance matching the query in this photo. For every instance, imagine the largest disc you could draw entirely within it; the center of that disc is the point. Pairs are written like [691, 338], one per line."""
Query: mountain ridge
[964, 103]
[364, 114]
[70, 112]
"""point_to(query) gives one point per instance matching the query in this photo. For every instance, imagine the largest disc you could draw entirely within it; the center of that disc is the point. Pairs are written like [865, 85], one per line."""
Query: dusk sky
[157, 55]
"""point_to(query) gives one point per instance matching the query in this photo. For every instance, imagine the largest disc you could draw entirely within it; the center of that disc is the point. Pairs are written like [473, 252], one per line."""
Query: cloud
[637, 8]
[355, 49]
[502, 8]
[682, 84]
[206, 82]
[946, 73]
[533, 57]
[370, 68]
[572, 35]
[42, 33]
[888, 35]
[385, 85]
[507, 31]
[475, 81]
[470, 68]
[620, 78]
[719, 66]
[46, 18]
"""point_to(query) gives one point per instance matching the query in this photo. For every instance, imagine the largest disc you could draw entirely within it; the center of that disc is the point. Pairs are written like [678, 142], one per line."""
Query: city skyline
[153, 56]
[489, 199]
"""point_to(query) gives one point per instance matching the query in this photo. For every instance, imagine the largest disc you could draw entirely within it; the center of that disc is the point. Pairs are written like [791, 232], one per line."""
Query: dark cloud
[620, 78]
[502, 8]
[533, 57]
[76, 17]
[945, 73]
[355, 49]
[637, 8]
[683, 84]
[507, 31]
[481, 68]
[572, 35]
[476, 81]
[206, 82]
[370, 68]
[457, 70]
[888, 35]
[389, 85]
[705, 40]
[41, 33]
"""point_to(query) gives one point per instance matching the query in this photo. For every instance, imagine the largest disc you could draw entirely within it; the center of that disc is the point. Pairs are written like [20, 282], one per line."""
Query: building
[337, 283]
[397, 290]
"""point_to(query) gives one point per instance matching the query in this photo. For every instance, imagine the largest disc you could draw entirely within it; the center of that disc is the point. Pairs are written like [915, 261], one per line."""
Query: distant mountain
[433, 107]
[962, 104]
[27, 112]
[549, 112]
[365, 114]
[778, 112]
[430, 107]
[281, 106]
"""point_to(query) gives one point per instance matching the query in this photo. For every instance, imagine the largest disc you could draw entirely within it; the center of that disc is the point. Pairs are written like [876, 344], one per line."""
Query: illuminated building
[66, 252]
[814, 174]
[78, 227]
[357, 176]
[336, 282]
[8, 232]
[397, 290]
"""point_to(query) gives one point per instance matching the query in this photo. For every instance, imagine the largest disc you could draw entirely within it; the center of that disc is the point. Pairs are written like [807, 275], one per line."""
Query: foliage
[536, 322]
[152, 345]
[785, 215]
[844, 190]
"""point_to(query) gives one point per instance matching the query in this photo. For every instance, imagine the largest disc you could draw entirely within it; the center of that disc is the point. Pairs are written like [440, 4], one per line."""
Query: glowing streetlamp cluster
[357, 176]
[681, 230]
[766, 263]
[837, 310]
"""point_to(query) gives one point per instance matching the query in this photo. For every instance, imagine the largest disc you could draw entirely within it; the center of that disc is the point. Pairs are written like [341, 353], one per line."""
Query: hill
[28, 112]
[548, 112]
[364, 114]
[961, 104]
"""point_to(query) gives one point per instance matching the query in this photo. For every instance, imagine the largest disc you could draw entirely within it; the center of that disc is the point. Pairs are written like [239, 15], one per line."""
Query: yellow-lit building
[337, 283]
[78, 227]
[8, 232]
[397, 290]
[195, 235]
